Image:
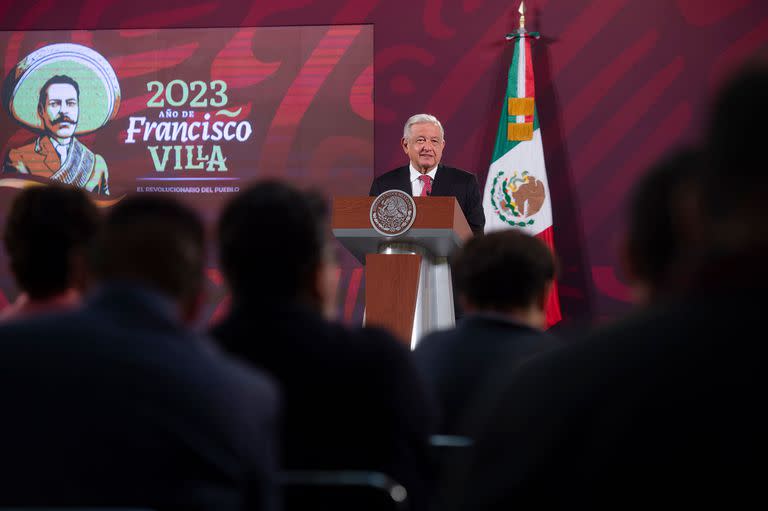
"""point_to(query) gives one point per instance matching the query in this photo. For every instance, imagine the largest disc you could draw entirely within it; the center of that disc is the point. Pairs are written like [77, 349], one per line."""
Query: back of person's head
[734, 186]
[273, 243]
[46, 237]
[661, 219]
[507, 272]
[155, 241]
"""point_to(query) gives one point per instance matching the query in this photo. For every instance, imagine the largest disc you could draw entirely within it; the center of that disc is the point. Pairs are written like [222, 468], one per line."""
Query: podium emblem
[393, 212]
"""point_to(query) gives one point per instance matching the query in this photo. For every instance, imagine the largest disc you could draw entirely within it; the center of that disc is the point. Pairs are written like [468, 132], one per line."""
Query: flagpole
[521, 31]
[516, 193]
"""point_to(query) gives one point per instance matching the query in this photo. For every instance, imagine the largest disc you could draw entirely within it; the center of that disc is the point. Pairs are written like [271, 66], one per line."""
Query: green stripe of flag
[503, 146]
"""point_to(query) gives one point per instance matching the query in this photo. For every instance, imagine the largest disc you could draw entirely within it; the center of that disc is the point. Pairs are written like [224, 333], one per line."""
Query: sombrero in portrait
[99, 89]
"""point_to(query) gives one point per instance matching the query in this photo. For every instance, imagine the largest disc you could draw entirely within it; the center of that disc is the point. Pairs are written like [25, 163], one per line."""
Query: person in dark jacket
[503, 279]
[352, 397]
[423, 142]
[662, 407]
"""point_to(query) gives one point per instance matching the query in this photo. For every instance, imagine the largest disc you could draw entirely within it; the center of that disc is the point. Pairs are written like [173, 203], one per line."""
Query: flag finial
[521, 10]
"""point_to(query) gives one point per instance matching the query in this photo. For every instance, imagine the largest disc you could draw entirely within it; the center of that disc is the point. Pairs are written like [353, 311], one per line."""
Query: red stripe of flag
[552, 308]
[530, 89]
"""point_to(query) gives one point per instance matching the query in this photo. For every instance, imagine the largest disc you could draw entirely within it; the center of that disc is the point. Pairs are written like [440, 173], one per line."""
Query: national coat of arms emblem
[392, 213]
[517, 198]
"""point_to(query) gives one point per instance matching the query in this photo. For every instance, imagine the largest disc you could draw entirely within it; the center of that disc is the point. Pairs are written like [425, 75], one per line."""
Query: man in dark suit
[352, 397]
[423, 142]
[663, 407]
[503, 280]
[119, 403]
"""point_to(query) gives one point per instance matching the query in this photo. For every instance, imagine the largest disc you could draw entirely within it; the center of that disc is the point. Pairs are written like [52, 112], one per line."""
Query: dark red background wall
[619, 82]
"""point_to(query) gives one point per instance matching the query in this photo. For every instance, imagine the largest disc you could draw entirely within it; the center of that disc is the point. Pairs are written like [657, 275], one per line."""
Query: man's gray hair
[420, 119]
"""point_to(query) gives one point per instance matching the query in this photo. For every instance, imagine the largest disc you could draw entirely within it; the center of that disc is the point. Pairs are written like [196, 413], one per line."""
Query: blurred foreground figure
[662, 409]
[352, 397]
[119, 403]
[46, 235]
[502, 327]
[662, 225]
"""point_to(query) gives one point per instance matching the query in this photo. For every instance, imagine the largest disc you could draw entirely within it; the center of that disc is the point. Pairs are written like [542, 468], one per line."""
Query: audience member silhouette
[352, 398]
[46, 234]
[661, 224]
[663, 408]
[503, 280]
[118, 403]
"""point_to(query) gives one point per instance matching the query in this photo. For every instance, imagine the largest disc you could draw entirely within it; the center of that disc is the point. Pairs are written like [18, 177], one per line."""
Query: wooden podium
[408, 287]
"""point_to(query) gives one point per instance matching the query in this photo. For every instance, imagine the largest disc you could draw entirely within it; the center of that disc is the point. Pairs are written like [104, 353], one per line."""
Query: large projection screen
[199, 113]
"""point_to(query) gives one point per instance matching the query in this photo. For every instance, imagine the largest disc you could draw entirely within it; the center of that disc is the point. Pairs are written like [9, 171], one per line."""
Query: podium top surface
[439, 226]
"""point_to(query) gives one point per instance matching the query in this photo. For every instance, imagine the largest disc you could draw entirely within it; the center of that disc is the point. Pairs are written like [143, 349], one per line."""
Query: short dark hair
[271, 241]
[736, 142]
[45, 226]
[154, 240]
[503, 270]
[56, 79]
[661, 213]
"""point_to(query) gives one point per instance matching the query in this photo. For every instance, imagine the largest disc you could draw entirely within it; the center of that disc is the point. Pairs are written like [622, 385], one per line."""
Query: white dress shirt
[62, 150]
[416, 184]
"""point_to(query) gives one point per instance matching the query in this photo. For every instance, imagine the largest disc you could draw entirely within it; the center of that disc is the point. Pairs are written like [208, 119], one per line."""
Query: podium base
[416, 284]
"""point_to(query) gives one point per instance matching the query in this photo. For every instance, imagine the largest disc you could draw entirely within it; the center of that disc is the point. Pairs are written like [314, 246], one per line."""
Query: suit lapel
[51, 157]
[441, 185]
[404, 180]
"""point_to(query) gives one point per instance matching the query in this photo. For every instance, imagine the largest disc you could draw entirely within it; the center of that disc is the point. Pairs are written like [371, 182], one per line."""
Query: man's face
[60, 110]
[425, 146]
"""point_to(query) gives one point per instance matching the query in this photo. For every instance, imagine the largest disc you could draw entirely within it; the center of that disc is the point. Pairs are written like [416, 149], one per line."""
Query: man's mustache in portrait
[63, 118]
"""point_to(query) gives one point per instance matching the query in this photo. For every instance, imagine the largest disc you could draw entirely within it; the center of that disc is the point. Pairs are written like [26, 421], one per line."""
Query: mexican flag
[516, 191]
